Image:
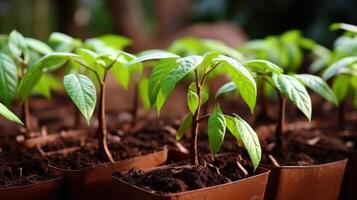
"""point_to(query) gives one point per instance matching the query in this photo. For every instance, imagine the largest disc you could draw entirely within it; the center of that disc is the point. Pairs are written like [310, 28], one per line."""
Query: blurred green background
[155, 23]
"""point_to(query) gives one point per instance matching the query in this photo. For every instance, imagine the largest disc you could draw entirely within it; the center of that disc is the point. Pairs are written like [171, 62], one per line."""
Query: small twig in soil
[20, 170]
[39, 149]
[240, 166]
[273, 160]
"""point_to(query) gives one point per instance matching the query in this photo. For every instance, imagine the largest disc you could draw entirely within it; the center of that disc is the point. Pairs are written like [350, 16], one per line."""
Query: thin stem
[90, 69]
[209, 71]
[26, 116]
[341, 115]
[195, 125]
[204, 117]
[134, 111]
[102, 128]
[279, 131]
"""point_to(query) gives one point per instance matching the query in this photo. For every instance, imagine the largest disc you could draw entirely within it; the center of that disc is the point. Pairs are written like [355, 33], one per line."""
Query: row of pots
[286, 182]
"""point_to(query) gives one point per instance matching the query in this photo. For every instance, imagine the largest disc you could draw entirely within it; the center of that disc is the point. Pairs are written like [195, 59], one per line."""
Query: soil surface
[19, 169]
[296, 153]
[173, 179]
[121, 146]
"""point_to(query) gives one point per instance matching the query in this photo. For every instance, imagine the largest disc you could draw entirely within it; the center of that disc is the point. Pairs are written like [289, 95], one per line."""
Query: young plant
[289, 50]
[16, 57]
[292, 87]
[171, 69]
[341, 64]
[344, 83]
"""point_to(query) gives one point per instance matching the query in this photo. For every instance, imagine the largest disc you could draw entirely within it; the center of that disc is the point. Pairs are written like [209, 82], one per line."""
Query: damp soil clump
[174, 178]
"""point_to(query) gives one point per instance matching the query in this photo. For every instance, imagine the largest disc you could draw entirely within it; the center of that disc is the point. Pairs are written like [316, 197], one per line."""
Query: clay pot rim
[164, 149]
[57, 179]
[342, 160]
[262, 171]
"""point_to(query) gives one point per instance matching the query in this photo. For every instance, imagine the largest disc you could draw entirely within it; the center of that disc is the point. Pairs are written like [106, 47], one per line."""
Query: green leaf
[35, 71]
[242, 79]
[9, 115]
[185, 125]
[227, 87]
[294, 90]
[340, 87]
[344, 26]
[185, 66]
[338, 67]
[318, 85]
[115, 41]
[121, 74]
[89, 56]
[263, 66]
[47, 84]
[216, 129]
[153, 55]
[8, 79]
[38, 46]
[192, 98]
[159, 72]
[144, 92]
[215, 45]
[82, 92]
[247, 136]
[18, 47]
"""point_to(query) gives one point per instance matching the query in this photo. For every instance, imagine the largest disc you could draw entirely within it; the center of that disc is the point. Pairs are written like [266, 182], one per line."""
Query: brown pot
[46, 190]
[248, 188]
[95, 182]
[316, 182]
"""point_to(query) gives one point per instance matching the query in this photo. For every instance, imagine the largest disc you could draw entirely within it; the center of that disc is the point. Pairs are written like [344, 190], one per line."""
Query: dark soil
[296, 153]
[174, 179]
[122, 147]
[19, 169]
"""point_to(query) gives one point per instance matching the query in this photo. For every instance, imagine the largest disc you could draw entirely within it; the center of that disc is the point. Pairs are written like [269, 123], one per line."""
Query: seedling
[18, 55]
[341, 64]
[171, 69]
[292, 87]
[289, 50]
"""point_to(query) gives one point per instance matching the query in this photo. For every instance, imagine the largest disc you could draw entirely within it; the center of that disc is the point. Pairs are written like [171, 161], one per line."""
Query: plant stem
[195, 125]
[134, 111]
[279, 131]
[102, 129]
[341, 115]
[26, 116]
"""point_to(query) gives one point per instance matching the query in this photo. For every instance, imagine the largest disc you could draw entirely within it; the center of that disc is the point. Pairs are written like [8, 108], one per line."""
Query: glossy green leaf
[216, 129]
[318, 85]
[241, 77]
[144, 92]
[192, 98]
[18, 47]
[8, 79]
[295, 91]
[338, 66]
[38, 46]
[247, 136]
[215, 45]
[153, 55]
[263, 66]
[5, 112]
[185, 66]
[344, 26]
[121, 74]
[82, 92]
[35, 71]
[340, 87]
[159, 72]
[227, 87]
[89, 56]
[185, 125]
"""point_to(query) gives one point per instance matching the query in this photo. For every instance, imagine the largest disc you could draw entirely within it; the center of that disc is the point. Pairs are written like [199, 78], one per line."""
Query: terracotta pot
[95, 182]
[316, 182]
[46, 190]
[248, 188]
